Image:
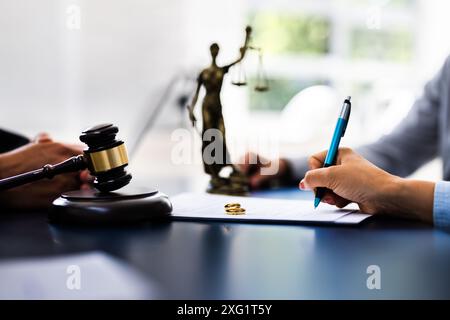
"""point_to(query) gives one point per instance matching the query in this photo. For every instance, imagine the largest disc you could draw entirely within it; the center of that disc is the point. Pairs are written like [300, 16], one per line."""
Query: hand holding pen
[339, 132]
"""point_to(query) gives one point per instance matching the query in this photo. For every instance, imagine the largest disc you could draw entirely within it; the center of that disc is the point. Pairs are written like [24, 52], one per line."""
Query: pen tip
[316, 202]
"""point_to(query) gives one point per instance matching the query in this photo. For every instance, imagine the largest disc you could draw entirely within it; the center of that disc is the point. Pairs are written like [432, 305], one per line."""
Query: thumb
[317, 178]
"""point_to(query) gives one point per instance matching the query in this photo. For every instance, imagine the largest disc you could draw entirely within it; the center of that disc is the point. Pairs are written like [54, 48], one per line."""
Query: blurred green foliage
[392, 45]
[284, 33]
[291, 33]
[281, 92]
[391, 3]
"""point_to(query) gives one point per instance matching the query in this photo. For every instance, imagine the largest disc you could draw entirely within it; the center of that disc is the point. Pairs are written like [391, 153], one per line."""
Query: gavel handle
[48, 171]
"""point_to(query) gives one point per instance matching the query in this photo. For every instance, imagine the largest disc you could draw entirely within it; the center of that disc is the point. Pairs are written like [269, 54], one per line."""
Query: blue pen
[339, 132]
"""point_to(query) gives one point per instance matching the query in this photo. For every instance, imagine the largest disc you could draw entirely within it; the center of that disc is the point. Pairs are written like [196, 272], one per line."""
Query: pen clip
[345, 113]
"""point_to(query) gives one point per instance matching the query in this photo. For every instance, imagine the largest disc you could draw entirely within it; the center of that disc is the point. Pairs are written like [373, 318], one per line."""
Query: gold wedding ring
[232, 205]
[234, 209]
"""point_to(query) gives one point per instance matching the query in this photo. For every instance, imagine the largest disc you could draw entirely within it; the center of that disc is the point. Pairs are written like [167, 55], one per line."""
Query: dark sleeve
[415, 140]
[10, 141]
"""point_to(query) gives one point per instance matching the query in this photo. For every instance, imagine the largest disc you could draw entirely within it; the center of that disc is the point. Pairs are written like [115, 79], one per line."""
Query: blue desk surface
[216, 260]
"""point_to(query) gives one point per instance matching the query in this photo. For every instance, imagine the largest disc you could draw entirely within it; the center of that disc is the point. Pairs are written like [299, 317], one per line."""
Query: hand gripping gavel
[105, 158]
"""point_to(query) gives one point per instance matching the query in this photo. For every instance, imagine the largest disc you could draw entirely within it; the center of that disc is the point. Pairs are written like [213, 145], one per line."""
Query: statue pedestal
[236, 185]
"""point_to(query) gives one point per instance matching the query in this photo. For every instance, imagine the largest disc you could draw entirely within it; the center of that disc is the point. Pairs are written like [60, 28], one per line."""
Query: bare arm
[31, 156]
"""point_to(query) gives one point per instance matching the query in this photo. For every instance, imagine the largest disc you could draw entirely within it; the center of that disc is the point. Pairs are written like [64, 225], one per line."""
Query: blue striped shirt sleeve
[441, 207]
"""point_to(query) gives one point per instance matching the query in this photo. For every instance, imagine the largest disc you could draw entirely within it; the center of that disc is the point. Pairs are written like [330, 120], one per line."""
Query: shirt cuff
[441, 206]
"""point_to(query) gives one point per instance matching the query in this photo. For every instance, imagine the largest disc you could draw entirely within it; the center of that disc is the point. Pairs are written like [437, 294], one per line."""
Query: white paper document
[203, 206]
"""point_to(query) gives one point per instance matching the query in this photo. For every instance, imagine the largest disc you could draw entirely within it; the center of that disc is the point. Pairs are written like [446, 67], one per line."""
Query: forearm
[13, 162]
[234, 63]
[7, 166]
[410, 198]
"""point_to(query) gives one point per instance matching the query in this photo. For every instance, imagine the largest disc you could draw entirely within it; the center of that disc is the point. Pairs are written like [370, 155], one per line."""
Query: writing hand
[354, 179]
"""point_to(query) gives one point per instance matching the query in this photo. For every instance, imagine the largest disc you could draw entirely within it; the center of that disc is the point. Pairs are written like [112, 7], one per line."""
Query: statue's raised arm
[243, 49]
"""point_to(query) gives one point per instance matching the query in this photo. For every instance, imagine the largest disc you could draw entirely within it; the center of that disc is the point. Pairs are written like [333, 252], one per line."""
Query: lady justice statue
[213, 129]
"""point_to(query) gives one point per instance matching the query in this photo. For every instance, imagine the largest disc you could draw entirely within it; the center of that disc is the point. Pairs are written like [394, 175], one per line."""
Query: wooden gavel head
[106, 157]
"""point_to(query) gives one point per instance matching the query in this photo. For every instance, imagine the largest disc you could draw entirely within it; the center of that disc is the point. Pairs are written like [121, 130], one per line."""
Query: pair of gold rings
[234, 209]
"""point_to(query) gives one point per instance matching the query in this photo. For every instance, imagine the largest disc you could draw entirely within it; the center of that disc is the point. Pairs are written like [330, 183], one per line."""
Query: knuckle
[331, 177]
[308, 176]
[311, 162]
[331, 171]
[346, 150]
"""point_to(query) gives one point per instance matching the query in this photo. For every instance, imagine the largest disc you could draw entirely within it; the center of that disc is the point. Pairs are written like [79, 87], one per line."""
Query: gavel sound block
[128, 205]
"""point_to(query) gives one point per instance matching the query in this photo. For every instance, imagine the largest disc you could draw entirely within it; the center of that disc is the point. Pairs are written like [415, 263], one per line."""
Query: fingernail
[302, 185]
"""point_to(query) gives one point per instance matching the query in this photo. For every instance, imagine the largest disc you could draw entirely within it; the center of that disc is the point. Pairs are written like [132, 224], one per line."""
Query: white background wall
[60, 80]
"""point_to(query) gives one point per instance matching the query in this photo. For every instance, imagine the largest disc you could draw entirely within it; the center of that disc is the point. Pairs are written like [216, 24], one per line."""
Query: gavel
[105, 158]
